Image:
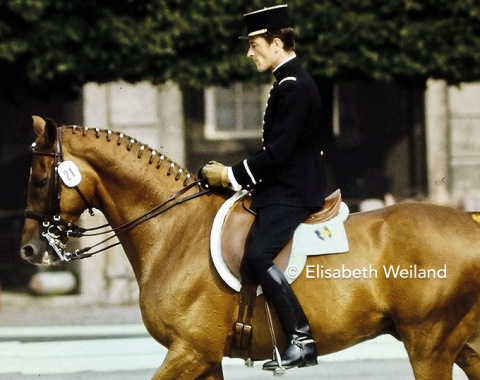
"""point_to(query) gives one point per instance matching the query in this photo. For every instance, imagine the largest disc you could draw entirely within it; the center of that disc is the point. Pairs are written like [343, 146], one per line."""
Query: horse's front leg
[215, 373]
[183, 362]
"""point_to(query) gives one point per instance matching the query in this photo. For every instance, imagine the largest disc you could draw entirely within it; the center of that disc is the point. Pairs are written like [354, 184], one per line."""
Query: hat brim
[253, 34]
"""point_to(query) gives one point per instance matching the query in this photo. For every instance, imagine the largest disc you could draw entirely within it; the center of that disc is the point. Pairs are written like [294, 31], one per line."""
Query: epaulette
[287, 78]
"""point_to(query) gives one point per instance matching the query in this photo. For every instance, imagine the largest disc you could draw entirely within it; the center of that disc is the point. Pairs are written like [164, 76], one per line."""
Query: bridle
[54, 228]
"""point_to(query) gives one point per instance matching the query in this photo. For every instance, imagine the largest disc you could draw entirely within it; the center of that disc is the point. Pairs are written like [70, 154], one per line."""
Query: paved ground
[364, 370]
[20, 311]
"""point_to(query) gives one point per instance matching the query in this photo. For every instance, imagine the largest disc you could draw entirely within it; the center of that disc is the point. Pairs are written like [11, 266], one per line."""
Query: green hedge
[61, 44]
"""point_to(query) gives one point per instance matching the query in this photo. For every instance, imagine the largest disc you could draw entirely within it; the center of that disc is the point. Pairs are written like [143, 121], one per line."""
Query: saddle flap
[234, 232]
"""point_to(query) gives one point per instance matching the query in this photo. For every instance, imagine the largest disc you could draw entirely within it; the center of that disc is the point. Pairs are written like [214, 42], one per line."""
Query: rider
[287, 175]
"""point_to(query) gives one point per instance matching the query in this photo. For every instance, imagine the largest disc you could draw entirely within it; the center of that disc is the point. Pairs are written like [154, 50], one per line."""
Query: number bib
[69, 173]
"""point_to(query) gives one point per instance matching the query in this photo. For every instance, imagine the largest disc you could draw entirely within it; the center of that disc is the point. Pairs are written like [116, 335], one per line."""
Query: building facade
[382, 139]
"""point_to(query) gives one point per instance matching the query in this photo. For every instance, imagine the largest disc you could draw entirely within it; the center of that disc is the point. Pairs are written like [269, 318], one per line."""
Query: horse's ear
[46, 129]
[38, 124]
[50, 132]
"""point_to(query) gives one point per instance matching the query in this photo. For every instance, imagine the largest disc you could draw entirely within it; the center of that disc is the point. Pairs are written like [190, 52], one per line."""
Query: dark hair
[285, 35]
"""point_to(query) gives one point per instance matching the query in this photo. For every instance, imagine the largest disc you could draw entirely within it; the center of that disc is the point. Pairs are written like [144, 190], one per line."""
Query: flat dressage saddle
[239, 220]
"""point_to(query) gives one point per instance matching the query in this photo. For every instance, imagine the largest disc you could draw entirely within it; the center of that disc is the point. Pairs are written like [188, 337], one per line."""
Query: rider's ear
[50, 132]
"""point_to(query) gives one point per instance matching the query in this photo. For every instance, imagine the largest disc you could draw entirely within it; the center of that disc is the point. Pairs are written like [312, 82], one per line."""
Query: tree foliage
[62, 44]
[392, 39]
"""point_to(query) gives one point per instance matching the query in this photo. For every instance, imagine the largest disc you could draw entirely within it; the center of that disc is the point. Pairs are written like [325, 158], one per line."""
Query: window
[235, 111]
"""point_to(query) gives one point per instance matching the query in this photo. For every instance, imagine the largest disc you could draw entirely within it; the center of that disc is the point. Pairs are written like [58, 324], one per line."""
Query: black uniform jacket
[289, 169]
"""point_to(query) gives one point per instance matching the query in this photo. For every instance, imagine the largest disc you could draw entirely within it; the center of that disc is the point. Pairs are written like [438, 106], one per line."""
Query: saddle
[239, 220]
[235, 228]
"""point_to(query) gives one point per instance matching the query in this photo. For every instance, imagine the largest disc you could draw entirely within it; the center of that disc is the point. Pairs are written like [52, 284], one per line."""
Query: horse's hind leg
[430, 355]
[432, 369]
[469, 362]
[435, 344]
[469, 358]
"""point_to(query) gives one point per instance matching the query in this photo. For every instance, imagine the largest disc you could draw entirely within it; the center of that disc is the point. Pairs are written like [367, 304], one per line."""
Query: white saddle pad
[309, 239]
[317, 239]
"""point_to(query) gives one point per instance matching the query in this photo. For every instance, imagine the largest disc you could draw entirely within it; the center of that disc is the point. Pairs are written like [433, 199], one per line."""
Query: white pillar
[437, 131]
[171, 120]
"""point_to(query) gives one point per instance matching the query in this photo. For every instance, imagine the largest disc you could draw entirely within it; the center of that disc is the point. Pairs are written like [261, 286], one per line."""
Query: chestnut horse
[413, 269]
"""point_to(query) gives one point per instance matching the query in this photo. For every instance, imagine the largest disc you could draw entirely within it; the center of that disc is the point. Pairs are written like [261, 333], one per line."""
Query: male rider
[286, 176]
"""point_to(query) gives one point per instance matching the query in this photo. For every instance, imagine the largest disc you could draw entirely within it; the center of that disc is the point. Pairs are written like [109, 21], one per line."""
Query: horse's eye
[39, 183]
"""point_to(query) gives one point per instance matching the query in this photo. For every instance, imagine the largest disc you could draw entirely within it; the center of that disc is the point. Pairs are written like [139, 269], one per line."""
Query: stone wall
[155, 116]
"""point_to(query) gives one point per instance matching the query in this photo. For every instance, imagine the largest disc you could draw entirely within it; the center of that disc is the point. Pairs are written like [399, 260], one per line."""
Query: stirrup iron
[280, 371]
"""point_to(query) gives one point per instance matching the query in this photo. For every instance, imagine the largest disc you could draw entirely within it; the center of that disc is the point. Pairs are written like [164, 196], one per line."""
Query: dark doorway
[379, 140]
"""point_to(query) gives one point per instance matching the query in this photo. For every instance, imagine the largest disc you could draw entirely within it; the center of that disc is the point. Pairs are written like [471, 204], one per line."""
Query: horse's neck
[129, 175]
[130, 180]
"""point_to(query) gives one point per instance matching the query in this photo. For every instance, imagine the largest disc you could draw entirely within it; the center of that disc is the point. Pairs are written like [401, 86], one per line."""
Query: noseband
[54, 228]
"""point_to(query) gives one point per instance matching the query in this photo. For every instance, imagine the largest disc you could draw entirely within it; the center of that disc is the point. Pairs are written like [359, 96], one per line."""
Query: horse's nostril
[28, 252]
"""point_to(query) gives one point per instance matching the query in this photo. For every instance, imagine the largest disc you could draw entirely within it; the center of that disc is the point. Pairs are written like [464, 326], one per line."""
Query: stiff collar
[284, 68]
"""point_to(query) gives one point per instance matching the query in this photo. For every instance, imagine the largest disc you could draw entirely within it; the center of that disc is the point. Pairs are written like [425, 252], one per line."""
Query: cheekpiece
[268, 19]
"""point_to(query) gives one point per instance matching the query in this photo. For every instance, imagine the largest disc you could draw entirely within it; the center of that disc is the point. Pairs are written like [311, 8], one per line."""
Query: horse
[412, 270]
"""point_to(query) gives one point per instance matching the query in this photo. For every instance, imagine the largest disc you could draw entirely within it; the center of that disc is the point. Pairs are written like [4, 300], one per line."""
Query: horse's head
[54, 197]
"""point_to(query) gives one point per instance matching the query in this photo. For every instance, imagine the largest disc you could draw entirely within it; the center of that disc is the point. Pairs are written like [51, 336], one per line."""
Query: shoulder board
[287, 78]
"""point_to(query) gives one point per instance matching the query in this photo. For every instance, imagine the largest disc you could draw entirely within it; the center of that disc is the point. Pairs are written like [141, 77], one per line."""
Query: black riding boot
[301, 351]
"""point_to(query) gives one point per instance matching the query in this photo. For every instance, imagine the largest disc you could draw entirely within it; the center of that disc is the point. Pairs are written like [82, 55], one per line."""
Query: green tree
[58, 45]
[392, 39]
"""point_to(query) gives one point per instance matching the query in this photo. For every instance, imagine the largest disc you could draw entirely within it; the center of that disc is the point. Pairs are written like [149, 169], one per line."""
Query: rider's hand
[216, 174]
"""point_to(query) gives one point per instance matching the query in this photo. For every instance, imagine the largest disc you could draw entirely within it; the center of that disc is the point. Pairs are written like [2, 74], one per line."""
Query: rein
[172, 201]
[55, 228]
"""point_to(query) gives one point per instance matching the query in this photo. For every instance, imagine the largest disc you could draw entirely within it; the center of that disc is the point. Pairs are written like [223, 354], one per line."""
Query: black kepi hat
[268, 19]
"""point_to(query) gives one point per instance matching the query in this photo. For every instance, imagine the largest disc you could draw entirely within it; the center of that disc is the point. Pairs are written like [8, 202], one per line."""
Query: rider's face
[265, 55]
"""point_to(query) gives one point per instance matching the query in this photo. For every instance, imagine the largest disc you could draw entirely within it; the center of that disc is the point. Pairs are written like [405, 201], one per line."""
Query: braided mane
[143, 150]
